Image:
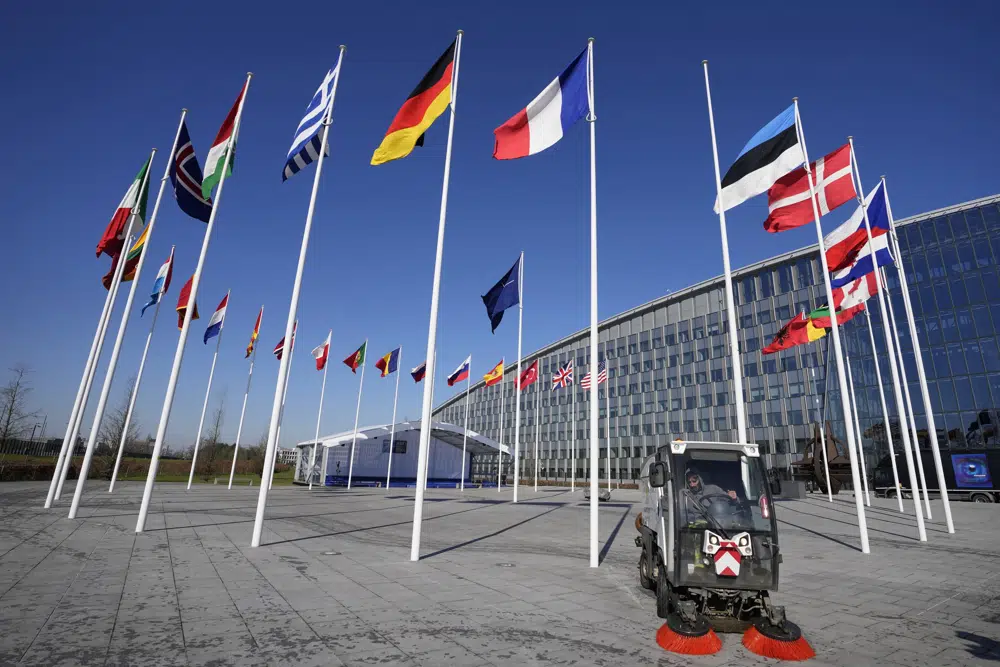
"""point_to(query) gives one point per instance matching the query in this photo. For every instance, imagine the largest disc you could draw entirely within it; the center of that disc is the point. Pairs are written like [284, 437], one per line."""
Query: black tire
[891, 494]
[662, 591]
[981, 498]
[645, 578]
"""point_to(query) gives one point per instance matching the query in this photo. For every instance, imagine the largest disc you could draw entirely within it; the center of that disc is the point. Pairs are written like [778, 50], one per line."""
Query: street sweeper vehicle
[709, 543]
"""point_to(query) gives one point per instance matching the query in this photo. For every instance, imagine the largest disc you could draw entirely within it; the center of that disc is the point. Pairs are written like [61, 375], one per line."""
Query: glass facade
[669, 372]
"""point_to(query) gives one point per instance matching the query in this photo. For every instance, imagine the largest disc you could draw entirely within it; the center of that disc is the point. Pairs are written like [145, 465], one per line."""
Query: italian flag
[134, 200]
[225, 141]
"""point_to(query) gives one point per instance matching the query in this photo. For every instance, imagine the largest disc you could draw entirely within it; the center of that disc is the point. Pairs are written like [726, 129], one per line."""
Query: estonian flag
[770, 154]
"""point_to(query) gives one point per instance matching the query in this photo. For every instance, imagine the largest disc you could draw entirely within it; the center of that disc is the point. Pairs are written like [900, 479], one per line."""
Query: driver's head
[693, 480]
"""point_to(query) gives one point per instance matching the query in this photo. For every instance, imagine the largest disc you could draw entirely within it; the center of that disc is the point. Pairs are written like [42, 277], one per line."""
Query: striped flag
[225, 141]
[134, 201]
[255, 334]
[418, 372]
[186, 177]
[305, 146]
[183, 300]
[563, 377]
[280, 347]
[218, 319]
[162, 282]
[602, 376]
[322, 352]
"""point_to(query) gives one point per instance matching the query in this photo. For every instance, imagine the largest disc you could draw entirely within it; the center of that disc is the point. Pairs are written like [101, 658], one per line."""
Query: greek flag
[306, 145]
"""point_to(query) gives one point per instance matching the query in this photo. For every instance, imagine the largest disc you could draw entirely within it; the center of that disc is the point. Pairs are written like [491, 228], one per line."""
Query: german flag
[427, 101]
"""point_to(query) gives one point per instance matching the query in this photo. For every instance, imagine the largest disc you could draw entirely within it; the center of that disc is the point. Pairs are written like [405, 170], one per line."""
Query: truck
[969, 475]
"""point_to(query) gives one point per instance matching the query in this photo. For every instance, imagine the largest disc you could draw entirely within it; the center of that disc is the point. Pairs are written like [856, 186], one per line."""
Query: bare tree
[212, 447]
[255, 454]
[109, 437]
[15, 419]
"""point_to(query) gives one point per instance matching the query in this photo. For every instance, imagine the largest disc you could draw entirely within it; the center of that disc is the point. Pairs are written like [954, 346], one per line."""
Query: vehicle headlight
[743, 544]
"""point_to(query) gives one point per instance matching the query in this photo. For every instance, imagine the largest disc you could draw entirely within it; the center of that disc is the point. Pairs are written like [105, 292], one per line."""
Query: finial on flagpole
[590, 40]
[704, 62]
[882, 178]
[461, 32]
[850, 137]
[343, 47]
[184, 110]
[249, 74]
[795, 99]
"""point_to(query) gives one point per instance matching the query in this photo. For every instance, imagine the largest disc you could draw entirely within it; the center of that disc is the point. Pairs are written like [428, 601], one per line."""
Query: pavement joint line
[121, 596]
[40, 560]
[173, 577]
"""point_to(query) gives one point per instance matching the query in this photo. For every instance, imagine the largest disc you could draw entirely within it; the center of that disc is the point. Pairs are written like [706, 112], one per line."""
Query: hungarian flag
[280, 347]
[225, 141]
[134, 201]
[418, 373]
[322, 353]
[255, 334]
[528, 375]
[821, 316]
[495, 376]
[427, 101]
[788, 199]
[182, 303]
[131, 261]
[388, 363]
[798, 331]
[357, 358]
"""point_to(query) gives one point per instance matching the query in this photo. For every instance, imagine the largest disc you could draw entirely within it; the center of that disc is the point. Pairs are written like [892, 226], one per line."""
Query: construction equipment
[812, 468]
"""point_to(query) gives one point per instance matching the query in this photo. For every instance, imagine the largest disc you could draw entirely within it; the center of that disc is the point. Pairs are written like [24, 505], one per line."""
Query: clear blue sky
[89, 90]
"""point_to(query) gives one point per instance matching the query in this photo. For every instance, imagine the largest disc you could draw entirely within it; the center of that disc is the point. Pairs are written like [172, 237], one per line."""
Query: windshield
[722, 491]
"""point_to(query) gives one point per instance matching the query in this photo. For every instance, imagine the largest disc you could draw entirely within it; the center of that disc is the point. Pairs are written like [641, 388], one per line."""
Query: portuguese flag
[357, 358]
[113, 239]
[427, 101]
[225, 141]
[800, 330]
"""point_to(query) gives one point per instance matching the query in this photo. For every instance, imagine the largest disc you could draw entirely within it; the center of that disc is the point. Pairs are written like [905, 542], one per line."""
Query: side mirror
[658, 475]
[775, 485]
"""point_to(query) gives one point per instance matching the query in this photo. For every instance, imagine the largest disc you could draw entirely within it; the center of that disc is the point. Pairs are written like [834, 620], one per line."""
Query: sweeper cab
[710, 551]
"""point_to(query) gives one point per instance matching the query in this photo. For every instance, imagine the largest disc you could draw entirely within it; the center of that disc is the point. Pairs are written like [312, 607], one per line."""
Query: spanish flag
[427, 101]
[495, 376]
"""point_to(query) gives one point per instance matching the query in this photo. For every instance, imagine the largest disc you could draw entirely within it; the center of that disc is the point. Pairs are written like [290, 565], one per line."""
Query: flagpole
[921, 375]
[281, 413]
[357, 413]
[594, 444]
[890, 348]
[835, 330]
[392, 429]
[135, 388]
[822, 432]
[161, 429]
[572, 478]
[116, 349]
[319, 413]
[857, 426]
[517, 377]
[538, 421]
[607, 404]
[500, 439]
[204, 406]
[734, 352]
[465, 433]
[885, 413]
[425, 410]
[243, 411]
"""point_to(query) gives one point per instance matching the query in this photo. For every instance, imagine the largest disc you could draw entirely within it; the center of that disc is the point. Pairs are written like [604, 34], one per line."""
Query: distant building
[287, 456]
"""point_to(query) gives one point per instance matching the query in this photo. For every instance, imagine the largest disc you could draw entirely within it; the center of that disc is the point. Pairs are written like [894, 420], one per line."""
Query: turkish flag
[528, 375]
[788, 199]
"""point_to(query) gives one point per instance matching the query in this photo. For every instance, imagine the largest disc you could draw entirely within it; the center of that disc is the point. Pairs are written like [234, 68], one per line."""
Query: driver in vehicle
[700, 490]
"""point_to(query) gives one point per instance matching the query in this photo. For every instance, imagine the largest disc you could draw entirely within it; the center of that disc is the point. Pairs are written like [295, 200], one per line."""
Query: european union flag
[503, 295]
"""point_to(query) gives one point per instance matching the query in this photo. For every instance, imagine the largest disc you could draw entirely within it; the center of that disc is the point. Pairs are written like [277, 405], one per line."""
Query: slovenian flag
[225, 141]
[162, 282]
[418, 372]
[322, 353]
[547, 117]
[461, 373]
[217, 320]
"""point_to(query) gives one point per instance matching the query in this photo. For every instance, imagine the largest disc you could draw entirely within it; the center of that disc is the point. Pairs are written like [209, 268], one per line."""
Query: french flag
[461, 373]
[547, 117]
[217, 320]
[845, 243]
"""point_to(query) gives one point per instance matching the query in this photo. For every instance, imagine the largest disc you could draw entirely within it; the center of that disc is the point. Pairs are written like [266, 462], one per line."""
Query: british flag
[186, 178]
[602, 376]
[564, 377]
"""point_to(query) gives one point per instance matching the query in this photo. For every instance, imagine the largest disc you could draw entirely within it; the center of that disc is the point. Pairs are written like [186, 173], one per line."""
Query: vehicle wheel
[891, 494]
[981, 498]
[662, 591]
[645, 580]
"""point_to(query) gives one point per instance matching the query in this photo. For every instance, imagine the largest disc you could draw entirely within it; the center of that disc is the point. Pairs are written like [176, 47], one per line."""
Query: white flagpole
[465, 434]
[607, 404]
[392, 429]
[822, 433]
[517, 378]
[538, 430]
[594, 444]
[272, 432]
[425, 409]
[319, 413]
[897, 392]
[281, 414]
[243, 411]
[65, 452]
[500, 439]
[204, 405]
[734, 352]
[357, 412]
[572, 478]
[885, 413]
[168, 401]
[857, 426]
[135, 391]
[116, 349]
[837, 348]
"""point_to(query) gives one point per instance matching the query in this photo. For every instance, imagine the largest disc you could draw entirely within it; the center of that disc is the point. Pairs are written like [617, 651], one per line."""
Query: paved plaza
[498, 583]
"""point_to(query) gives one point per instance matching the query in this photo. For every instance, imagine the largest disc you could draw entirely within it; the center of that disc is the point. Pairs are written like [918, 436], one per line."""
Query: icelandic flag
[503, 295]
[845, 242]
[217, 320]
[461, 373]
[547, 117]
[186, 179]
[305, 146]
[861, 263]
[162, 282]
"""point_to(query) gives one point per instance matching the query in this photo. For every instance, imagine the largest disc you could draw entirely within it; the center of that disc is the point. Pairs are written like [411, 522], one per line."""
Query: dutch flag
[217, 320]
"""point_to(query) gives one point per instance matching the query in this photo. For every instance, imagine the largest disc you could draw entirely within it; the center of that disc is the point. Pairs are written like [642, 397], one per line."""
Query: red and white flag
[528, 375]
[322, 353]
[855, 293]
[788, 199]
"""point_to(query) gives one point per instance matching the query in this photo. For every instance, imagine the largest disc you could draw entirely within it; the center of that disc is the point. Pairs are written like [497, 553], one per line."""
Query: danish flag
[788, 199]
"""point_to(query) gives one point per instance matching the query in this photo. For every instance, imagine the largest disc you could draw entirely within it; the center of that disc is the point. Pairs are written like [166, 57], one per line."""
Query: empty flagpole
[822, 433]
[168, 401]
[272, 431]
[243, 412]
[517, 377]
[500, 439]
[885, 413]
[921, 375]
[890, 348]
[392, 429]
[281, 413]
[835, 330]
[857, 426]
[607, 450]
[734, 352]
[319, 413]
[204, 405]
[116, 349]
[572, 474]
[465, 433]
[357, 413]
[594, 444]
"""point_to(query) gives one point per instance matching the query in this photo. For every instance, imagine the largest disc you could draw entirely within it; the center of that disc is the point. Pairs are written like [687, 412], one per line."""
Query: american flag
[602, 376]
[564, 377]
